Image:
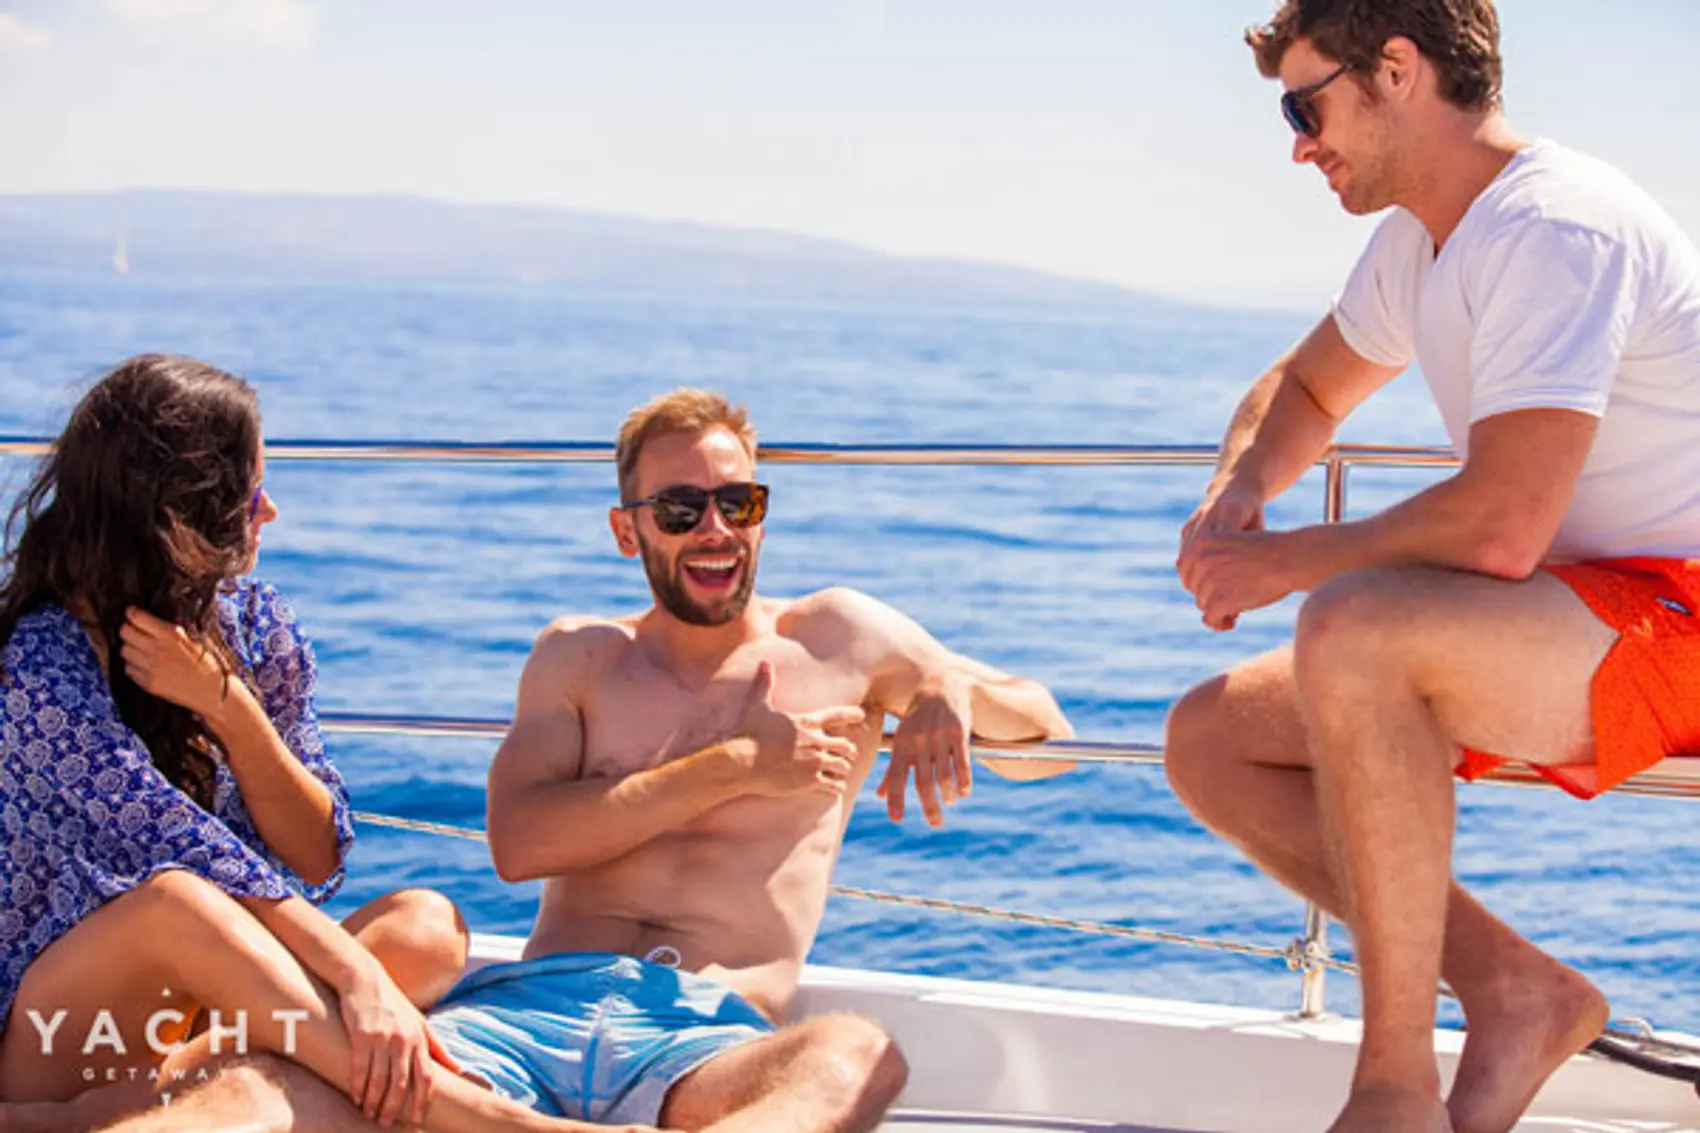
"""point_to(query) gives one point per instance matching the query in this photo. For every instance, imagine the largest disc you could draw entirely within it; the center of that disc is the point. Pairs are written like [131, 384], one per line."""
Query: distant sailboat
[121, 255]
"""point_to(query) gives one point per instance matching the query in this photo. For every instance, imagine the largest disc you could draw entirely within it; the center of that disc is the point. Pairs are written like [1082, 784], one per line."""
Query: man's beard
[1372, 192]
[668, 586]
[1379, 181]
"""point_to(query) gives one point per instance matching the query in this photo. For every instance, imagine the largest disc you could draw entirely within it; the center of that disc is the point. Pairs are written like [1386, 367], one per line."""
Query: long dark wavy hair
[144, 501]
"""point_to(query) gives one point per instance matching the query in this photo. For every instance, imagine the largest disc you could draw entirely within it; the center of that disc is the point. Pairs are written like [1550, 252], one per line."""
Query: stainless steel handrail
[1663, 781]
[1312, 947]
[1054, 751]
[577, 452]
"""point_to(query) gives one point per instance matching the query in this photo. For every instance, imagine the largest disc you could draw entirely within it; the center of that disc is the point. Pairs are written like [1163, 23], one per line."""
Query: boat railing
[1308, 954]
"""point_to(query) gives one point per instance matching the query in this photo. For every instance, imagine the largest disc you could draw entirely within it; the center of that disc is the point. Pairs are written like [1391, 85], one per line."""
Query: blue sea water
[424, 585]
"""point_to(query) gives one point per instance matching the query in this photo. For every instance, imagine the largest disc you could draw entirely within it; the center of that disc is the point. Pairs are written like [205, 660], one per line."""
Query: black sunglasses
[1298, 105]
[680, 508]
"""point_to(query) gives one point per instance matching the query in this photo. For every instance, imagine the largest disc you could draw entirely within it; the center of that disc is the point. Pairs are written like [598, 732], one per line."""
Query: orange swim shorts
[1646, 693]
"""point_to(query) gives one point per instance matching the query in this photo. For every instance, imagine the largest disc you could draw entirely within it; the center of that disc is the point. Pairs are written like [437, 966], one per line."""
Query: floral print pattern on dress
[85, 816]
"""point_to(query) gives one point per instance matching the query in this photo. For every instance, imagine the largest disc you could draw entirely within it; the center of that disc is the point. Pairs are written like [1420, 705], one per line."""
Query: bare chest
[639, 715]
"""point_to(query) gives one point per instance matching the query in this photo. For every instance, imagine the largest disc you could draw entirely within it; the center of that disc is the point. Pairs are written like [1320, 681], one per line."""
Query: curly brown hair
[1460, 37]
[144, 500]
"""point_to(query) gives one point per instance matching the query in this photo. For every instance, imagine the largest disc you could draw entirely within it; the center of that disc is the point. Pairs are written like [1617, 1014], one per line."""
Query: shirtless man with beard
[682, 779]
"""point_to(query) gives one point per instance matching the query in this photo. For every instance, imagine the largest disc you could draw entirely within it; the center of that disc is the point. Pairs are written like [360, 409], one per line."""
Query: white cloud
[15, 35]
[257, 23]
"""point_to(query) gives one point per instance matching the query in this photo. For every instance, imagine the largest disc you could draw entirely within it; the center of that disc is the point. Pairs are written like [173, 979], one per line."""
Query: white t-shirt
[1564, 287]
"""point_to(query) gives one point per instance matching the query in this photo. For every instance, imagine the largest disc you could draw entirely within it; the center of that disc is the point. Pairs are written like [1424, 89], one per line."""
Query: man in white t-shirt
[1538, 606]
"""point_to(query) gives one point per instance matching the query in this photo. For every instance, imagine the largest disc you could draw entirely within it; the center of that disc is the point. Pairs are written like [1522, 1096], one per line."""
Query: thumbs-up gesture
[797, 752]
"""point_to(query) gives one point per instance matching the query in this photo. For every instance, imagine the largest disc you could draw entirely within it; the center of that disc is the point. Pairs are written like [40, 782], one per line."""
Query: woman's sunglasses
[1298, 106]
[680, 508]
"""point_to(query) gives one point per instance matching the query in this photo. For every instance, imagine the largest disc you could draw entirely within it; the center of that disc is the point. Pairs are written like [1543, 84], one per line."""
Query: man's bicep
[541, 749]
[546, 739]
[896, 648]
[908, 653]
[1519, 480]
[1528, 461]
[1334, 375]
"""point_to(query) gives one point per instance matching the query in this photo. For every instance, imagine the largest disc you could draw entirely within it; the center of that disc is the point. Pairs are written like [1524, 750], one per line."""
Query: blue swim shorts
[591, 1036]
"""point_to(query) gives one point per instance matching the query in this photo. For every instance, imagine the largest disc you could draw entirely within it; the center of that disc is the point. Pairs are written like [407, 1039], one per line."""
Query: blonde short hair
[682, 411]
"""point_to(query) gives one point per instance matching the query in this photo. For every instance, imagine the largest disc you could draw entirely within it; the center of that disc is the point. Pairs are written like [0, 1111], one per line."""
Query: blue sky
[1125, 140]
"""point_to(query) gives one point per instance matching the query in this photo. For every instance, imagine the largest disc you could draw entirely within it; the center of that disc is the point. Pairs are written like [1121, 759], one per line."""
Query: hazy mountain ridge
[205, 233]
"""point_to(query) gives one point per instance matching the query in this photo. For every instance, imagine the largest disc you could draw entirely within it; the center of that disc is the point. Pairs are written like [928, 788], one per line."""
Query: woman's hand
[393, 1049]
[163, 660]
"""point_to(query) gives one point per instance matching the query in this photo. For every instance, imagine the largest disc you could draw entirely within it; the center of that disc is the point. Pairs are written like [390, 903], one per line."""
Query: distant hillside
[177, 232]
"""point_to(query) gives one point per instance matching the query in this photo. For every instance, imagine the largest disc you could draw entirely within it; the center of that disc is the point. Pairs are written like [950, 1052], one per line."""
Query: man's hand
[1229, 512]
[933, 740]
[163, 660]
[796, 753]
[1235, 573]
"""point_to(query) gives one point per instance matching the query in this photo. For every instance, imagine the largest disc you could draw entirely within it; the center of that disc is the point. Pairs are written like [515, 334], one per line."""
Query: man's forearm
[1277, 433]
[1015, 710]
[1445, 525]
[555, 828]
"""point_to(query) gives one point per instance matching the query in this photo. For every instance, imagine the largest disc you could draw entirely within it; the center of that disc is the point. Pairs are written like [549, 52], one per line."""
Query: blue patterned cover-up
[85, 816]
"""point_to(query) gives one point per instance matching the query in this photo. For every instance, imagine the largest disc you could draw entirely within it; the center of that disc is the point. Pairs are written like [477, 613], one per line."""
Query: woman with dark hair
[168, 818]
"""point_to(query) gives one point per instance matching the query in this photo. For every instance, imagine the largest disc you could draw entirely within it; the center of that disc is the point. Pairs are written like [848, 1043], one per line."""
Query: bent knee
[177, 896]
[865, 1056]
[890, 1074]
[1346, 615]
[429, 919]
[421, 938]
[1194, 742]
[416, 918]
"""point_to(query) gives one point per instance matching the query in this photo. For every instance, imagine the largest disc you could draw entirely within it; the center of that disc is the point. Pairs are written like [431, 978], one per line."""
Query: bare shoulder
[840, 604]
[847, 622]
[549, 705]
[577, 633]
[575, 643]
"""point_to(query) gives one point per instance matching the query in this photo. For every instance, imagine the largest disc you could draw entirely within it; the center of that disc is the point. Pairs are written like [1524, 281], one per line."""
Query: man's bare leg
[1394, 670]
[263, 1094]
[232, 1096]
[834, 1074]
[1238, 757]
[246, 1097]
[831, 1074]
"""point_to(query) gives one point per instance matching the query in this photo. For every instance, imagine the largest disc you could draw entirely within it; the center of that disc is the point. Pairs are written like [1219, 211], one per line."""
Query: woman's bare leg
[418, 936]
[178, 933]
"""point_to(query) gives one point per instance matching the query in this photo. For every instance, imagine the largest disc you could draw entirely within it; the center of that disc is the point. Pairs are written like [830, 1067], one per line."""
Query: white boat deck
[920, 1121]
[1004, 1058]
